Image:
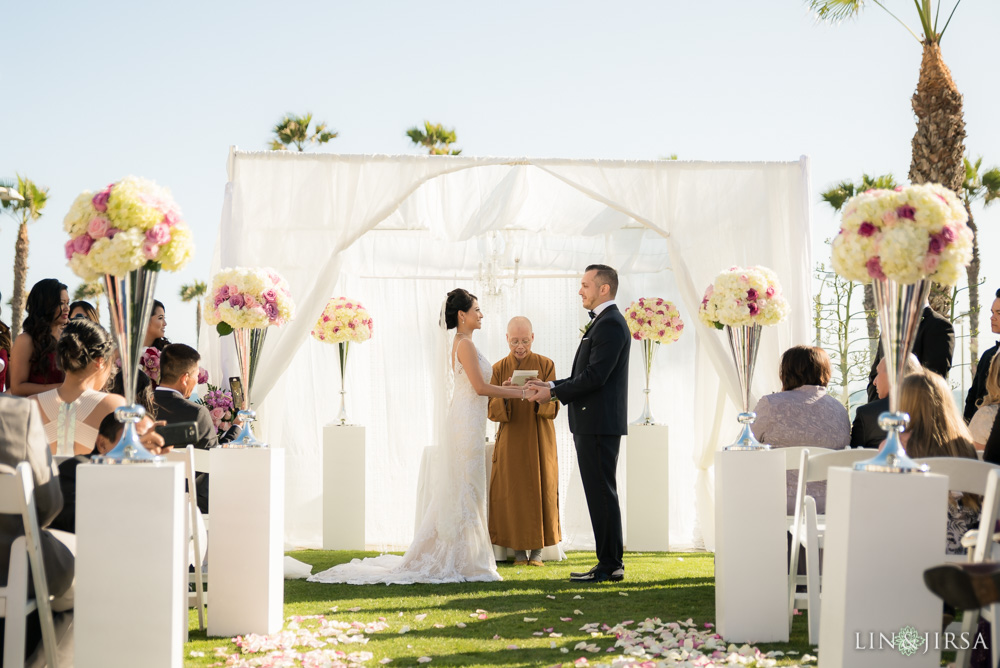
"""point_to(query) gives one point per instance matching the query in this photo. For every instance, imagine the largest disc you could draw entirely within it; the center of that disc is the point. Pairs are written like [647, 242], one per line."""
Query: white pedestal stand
[245, 561]
[751, 572]
[647, 469]
[130, 564]
[882, 531]
[343, 487]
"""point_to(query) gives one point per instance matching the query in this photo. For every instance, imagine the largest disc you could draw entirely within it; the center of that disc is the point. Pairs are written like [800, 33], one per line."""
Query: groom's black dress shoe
[965, 586]
[584, 573]
[596, 575]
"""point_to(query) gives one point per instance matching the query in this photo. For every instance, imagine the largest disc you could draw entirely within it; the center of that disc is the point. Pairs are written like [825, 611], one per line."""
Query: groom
[596, 395]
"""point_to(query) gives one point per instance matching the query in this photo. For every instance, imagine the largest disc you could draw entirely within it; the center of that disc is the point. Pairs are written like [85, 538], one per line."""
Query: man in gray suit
[22, 439]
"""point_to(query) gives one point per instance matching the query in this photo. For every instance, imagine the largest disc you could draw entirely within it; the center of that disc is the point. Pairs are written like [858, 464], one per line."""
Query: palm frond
[835, 11]
[991, 185]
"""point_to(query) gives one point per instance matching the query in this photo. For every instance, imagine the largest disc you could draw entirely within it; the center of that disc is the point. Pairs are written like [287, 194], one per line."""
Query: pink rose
[271, 311]
[202, 375]
[68, 248]
[889, 218]
[659, 301]
[149, 249]
[269, 295]
[866, 229]
[947, 235]
[82, 244]
[250, 301]
[874, 266]
[752, 294]
[906, 211]
[931, 262]
[100, 200]
[637, 337]
[112, 231]
[754, 309]
[935, 245]
[160, 234]
[770, 291]
[662, 332]
[236, 300]
[679, 327]
[98, 227]
[233, 290]
[170, 218]
[217, 413]
[632, 315]
[219, 300]
[326, 318]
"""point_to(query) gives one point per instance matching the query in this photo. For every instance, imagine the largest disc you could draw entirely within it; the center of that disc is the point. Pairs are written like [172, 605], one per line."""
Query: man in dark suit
[978, 389]
[866, 432]
[934, 346]
[178, 378]
[596, 396]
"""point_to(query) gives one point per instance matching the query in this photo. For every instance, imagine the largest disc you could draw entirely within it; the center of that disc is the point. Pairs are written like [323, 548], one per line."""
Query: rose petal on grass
[513, 647]
[421, 617]
[439, 626]
[385, 660]
[356, 608]
[461, 625]
[577, 598]
[565, 619]
[550, 596]
[622, 593]
[531, 619]
[405, 629]
[538, 633]
[578, 612]
[424, 659]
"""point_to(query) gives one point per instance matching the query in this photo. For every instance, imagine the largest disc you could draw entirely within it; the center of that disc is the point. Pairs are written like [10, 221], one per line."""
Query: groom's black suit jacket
[596, 393]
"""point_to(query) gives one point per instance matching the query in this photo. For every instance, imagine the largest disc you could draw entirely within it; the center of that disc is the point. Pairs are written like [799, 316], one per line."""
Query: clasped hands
[534, 390]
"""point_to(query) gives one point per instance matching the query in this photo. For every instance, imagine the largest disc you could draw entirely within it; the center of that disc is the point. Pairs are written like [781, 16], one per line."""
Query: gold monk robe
[524, 482]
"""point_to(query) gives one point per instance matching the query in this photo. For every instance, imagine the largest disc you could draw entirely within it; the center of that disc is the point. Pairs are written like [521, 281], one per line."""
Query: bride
[452, 543]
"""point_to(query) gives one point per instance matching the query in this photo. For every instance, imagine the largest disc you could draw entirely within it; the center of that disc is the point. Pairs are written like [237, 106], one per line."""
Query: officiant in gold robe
[524, 482]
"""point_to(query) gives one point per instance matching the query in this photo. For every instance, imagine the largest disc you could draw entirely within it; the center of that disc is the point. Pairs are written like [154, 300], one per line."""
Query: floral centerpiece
[901, 240]
[652, 321]
[220, 406]
[149, 362]
[245, 301]
[741, 301]
[343, 321]
[125, 234]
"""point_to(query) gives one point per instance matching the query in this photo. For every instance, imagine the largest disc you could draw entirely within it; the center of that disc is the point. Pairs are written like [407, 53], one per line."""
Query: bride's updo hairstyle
[458, 300]
[81, 343]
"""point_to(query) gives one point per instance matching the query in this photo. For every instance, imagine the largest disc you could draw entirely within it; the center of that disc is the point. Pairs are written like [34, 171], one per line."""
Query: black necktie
[592, 314]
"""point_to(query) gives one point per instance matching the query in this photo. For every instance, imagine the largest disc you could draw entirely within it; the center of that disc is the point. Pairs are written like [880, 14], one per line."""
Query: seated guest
[72, 412]
[803, 414]
[22, 439]
[157, 328]
[991, 453]
[178, 377]
[982, 420]
[5, 344]
[33, 367]
[936, 429]
[978, 389]
[108, 435]
[143, 391]
[866, 431]
[82, 309]
[933, 344]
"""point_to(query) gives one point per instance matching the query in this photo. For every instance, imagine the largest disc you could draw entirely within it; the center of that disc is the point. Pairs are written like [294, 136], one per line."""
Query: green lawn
[672, 587]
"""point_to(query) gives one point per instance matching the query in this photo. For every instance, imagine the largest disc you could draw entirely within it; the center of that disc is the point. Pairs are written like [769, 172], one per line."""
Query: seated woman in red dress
[33, 357]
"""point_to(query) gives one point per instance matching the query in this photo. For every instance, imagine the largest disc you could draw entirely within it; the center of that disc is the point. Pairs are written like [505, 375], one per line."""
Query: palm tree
[983, 187]
[293, 130]
[436, 138]
[24, 210]
[836, 197]
[937, 149]
[195, 291]
[92, 290]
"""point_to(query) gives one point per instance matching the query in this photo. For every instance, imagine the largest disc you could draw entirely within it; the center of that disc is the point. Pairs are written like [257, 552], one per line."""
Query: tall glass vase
[344, 347]
[744, 341]
[648, 350]
[900, 308]
[249, 342]
[130, 302]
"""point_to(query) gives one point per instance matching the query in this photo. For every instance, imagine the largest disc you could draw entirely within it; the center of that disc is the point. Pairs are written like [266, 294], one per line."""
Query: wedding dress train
[452, 543]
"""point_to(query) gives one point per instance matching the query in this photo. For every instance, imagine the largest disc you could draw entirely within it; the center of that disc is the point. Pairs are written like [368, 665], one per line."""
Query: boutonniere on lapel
[586, 328]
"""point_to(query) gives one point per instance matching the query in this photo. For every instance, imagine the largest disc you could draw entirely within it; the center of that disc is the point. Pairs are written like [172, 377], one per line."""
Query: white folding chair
[984, 548]
[808, 530]
[17, 497]
[187, 457]
[793, 456]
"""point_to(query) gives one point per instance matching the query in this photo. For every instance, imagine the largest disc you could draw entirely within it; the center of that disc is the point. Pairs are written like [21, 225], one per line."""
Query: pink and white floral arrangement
[150, 363]
[131, 224]
[343, 321]
[906, 235]
[743, 296]
[220, 406]
[248, 298]
[654, 319]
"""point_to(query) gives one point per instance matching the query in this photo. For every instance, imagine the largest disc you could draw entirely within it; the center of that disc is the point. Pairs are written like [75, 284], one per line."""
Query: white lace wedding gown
[452, 543]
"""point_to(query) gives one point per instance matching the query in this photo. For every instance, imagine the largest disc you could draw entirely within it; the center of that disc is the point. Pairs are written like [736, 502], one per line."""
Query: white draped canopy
[398, 232]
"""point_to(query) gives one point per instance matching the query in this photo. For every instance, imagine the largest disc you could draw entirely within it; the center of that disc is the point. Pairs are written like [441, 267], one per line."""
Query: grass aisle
[526, 620]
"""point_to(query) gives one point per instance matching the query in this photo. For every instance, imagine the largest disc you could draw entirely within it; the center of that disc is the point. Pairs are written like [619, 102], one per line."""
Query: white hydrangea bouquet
[131, 224]
[905, 235]
[741, 301]
[248, 298]
[344, 321]
[743, 297]
[652, 321]
[245, 302]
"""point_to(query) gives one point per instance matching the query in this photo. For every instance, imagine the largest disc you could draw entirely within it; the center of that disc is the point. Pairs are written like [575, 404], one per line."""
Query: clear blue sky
[94, 91]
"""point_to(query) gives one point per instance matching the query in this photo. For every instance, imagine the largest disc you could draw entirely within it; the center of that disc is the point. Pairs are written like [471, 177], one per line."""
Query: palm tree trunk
[972, 275]
[938, 145]
[871, 320]
[20, 276]
[197, 323]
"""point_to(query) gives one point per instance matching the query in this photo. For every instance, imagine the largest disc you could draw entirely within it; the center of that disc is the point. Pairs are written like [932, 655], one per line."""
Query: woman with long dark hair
[5, 345]
[157, 328]
[33, 367]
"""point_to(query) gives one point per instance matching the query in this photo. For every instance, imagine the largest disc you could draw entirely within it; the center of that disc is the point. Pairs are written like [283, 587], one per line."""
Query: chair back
[793, 455]
[201, 460]
[187, 456]
[984, 548]
[59, 459]
[964, 474]
[818, 466]
[17, 497]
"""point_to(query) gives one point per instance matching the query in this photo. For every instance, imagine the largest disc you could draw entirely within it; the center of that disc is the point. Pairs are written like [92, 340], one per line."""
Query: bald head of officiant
[524, 480]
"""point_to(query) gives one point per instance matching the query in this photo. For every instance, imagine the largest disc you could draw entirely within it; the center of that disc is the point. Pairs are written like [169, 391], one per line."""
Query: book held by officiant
[521, 376]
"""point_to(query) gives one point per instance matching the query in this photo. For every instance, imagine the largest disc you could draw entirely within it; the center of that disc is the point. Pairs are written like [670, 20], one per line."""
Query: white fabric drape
[397, 232]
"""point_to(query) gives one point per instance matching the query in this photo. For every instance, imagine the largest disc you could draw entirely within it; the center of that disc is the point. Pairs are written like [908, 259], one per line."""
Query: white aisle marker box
[751, 573]
[647, 475]
[131, 565]
[246, 541]
[882, 531]
[343, 487]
